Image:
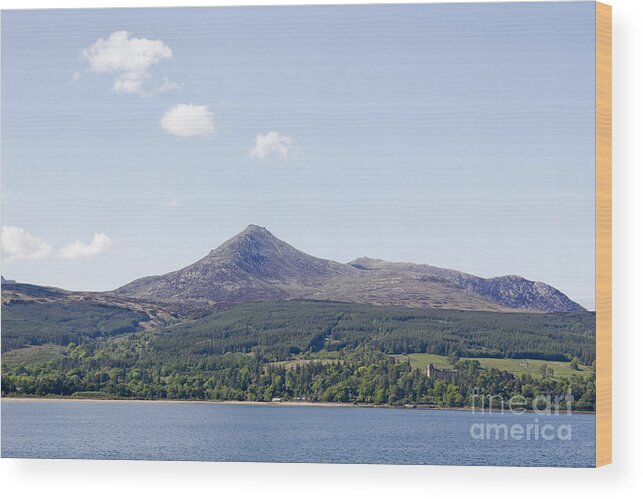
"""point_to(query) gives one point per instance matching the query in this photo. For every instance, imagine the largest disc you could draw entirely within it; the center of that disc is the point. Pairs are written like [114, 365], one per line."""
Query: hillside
[318, 351]
[62, 323]
[283, 329]
[60, 343]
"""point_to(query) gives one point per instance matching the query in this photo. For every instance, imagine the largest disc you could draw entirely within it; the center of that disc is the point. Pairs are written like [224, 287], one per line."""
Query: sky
[459, 135]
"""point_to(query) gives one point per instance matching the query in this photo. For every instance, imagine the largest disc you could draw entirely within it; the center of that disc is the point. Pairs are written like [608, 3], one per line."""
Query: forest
[361, 376]
[313, 351]
[281, 329]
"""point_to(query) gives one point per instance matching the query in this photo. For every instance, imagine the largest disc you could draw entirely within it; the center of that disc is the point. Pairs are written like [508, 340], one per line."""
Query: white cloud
[271, 143]
[78, 249]
[188, 120]
[76, 76]
[129, 58]
[18, 244]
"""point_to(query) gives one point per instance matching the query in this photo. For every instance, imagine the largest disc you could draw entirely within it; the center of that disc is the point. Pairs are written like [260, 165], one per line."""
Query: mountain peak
[255, 229]
[261, 255]
[251, 241]
[253, 265]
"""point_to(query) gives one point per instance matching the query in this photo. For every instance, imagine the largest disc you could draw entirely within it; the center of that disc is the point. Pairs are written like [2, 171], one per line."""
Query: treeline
[362, 376]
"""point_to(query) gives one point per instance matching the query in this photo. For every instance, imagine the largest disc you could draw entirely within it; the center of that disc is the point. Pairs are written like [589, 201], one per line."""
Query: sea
[184, 431]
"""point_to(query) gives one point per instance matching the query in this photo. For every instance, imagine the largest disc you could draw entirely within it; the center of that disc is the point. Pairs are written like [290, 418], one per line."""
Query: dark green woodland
[292, 350]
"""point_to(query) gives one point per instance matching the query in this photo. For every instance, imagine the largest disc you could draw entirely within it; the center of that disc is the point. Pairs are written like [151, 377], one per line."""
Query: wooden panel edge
[603, 234]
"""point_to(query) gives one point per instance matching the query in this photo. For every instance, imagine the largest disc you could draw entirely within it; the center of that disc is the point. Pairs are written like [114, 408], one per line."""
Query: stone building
[434, 372]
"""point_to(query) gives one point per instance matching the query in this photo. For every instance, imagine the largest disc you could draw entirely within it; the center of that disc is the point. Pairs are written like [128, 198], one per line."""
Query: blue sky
[460, 135]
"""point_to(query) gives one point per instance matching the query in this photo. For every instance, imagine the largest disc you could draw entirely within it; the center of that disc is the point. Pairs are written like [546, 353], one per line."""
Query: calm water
[213, 432]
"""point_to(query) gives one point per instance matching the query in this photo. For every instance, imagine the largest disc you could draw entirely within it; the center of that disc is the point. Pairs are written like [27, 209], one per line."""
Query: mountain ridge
[254, 265]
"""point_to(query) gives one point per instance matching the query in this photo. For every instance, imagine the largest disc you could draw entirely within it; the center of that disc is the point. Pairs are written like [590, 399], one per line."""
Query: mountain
[252, 266]
[256, 266]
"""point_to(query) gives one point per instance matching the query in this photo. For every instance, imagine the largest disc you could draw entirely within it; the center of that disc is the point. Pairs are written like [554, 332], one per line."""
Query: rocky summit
[256, 266]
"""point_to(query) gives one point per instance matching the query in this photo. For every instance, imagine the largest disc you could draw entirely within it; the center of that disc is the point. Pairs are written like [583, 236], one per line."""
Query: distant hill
[256, 266]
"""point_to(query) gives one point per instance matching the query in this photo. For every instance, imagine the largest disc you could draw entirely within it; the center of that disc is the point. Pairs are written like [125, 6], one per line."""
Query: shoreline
[285, 403]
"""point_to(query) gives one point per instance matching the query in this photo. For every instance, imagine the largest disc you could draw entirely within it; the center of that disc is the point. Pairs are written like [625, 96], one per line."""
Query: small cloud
[75, 76]
[129, 58]
[188, 120]
[78, 249]
[168, 86]
[18, 244]
[271, 144]
[173, 203]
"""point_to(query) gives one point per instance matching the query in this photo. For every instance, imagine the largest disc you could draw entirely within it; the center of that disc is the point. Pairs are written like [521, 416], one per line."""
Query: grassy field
[514, 366]
[322, 357]
[301, 362]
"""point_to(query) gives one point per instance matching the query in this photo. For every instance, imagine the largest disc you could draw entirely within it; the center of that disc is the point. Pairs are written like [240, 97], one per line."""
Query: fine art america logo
[537, 414]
